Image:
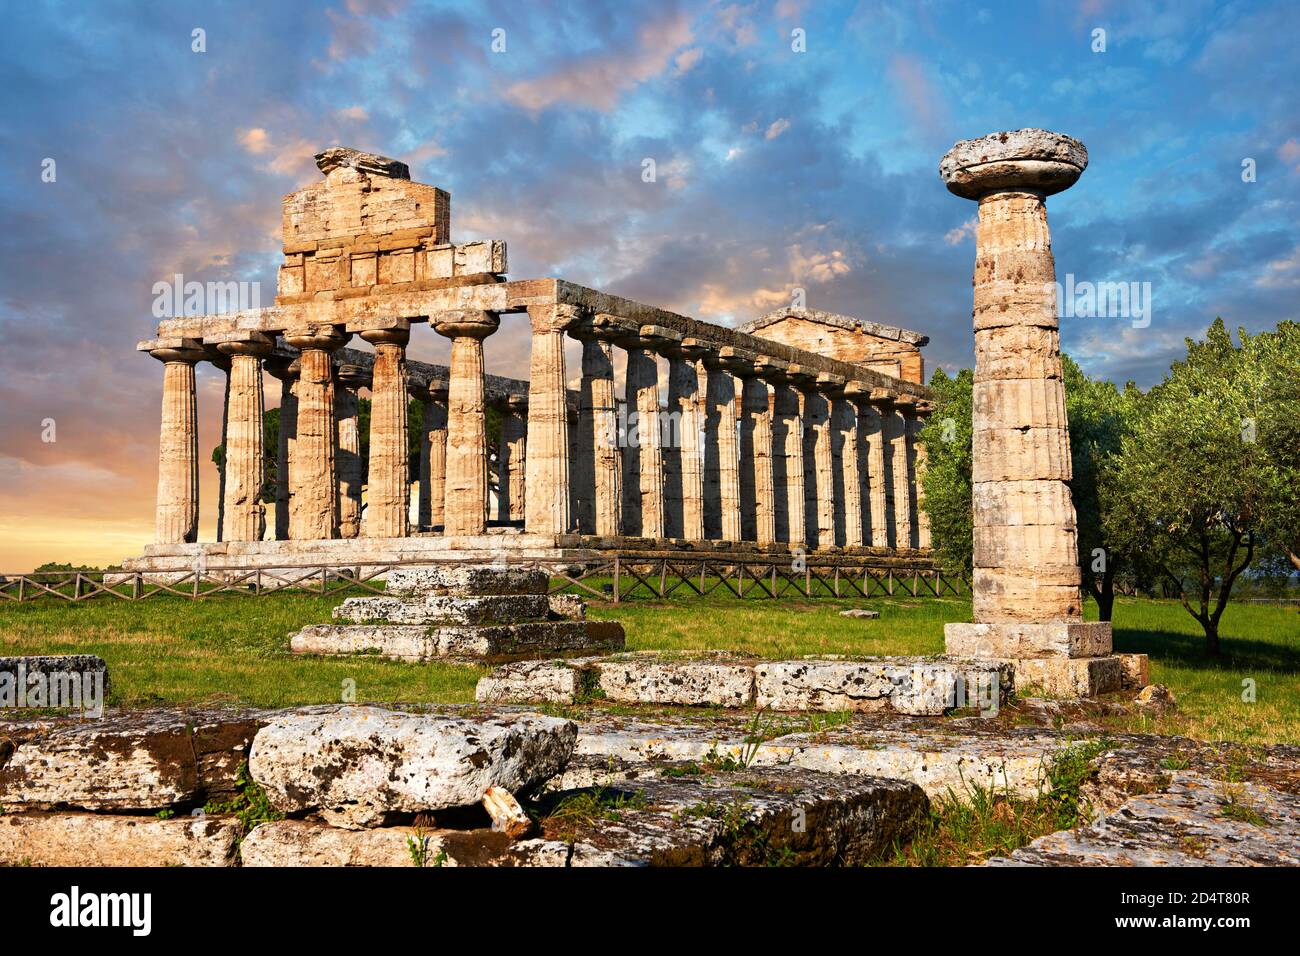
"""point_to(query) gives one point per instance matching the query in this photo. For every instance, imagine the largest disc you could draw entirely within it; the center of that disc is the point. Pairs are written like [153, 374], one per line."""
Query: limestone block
[532, 682]
[466, 580]
[1020, 639]
[89, 839]
[1137, 670]
[417, 642]
[567, 607]
[359, 765]
[903, 685]
[443, 609]
[148, 760]
[286, 843]
[1069, 676]
[685, 683]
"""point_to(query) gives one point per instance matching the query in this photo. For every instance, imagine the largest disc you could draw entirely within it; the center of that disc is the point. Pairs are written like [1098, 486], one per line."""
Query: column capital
[1024, 160]
[255, 344]
[772, 369]
[283, 366]
[517, 403]
[394, 335]
[691, 348]
[465, 323]
[353, 376]
[802, 377]
[830, 384]
[322, 338]
[555, 316]
[184, 350]
[883, 399]
[738, 361]
[858, 392]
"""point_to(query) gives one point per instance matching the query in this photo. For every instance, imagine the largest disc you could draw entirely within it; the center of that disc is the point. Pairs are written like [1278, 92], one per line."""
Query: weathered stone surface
[861, 613]
[1137, 670]
[304, 843]
[148, 760]
[419, 642]
[1022, 639]
[1034, 159]
[178, 454]
[753, 817]
[1155, 697]
[88, 839]
[466, 580]
[1195, 822]
[357, 766]
[444, 609]
[904, 685]
[1069, 677]
[567, 607]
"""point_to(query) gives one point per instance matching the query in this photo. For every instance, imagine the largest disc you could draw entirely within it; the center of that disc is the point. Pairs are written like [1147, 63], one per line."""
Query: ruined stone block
[1069, 677]
[1019, 639]
[89, 839]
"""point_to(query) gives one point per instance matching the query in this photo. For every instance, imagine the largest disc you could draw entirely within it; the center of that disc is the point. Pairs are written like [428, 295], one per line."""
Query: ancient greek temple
[796, 432]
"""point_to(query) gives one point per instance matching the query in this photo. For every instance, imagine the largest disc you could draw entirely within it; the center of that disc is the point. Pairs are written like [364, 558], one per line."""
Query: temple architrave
[794, 433]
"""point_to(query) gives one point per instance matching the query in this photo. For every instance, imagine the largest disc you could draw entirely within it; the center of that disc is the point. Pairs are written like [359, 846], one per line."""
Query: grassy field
[234, 649]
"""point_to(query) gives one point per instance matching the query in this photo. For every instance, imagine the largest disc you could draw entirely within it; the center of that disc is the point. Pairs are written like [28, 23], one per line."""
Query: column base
[1054, 639]
[1068, 676]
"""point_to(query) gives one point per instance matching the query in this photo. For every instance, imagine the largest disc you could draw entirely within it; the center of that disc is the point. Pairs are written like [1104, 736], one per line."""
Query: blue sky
[776, 169]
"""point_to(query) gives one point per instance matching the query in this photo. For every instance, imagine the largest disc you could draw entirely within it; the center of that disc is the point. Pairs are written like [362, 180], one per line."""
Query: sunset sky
[776, 169]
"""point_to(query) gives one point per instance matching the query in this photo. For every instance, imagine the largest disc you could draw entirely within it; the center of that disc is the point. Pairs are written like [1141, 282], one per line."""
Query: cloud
[777, 128]
[959, 234]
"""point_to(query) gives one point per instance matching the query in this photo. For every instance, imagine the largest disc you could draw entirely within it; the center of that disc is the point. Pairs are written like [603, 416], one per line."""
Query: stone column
[686, 401]
[512, 457]
[872, 416]
[466, 497]
[547, 503]
[313, 480]
[433, 455]
[388, 492]
[602, 482]
[222, 362]
[177, 519]
[286, 370]
[899, 488]
[844, 419]
[921, 518]
[1025, 557]
[757, 519]
[819, 483]
[720, 432]
[643, 394]
[788, 465]
[244, 515]
[349, 464]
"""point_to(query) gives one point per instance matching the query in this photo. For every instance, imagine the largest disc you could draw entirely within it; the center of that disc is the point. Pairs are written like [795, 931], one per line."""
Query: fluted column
[388, 492]
[221, 361]
[286, 370]
[757, 521]
[601, 486]
[547, 492]
[686, 402]
[512, 457]
[643, 386]
[819, 472]
[245, 462]
[845, 420]
[313, 480]
[788, 465]
[1025, 538]
[871, 430]
[720, 431]
[900, 465]
[348, 461]
[915, 425]
[433, 455]
[177, 515]
[466, 497]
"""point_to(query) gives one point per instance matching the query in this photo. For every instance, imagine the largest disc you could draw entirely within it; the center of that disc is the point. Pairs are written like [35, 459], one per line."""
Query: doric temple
[795, 432]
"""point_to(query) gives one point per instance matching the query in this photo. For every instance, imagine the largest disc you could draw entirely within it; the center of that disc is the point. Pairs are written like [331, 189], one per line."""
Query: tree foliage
[947, 480]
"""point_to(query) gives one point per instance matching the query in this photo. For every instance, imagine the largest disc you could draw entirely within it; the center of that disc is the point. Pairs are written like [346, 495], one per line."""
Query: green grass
[234, 649]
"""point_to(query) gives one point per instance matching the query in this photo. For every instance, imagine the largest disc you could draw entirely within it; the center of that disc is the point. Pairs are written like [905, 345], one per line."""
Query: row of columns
[758, 449]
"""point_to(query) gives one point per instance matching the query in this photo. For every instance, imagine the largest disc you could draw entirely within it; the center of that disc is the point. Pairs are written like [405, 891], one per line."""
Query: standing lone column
[177, 519]
[350, 467]
[245, 461]
[1025, 557]
[546, 487]
[720, 427]
[787, 442]
[313, 481]
[512, 457]
[466, 498]
[388, 506]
